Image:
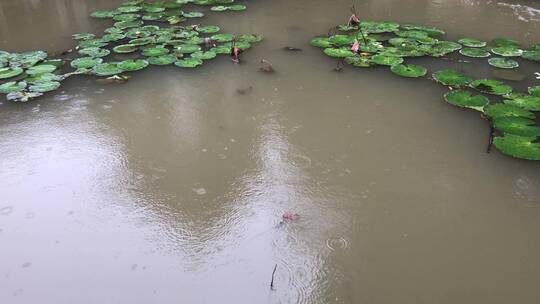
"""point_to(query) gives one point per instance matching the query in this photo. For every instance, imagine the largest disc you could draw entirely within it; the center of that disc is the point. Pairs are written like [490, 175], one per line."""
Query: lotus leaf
[342, 40]
[141, 41]
[507, 110]
[162, 60]
[503, 63]
[451, 78]
[126, 17]
[188, 63]
[517, 126]
[85, 36]
[125, 48]
[92, 43]
[132, 65]
[338, 53]
[505, 42]
[155, 51]
[531, 55]
[527, 102]
[237, 7]
[113, 37]
[154, 9]
[10, 72]
[347, 28]
[434, 32]
[518, 146]
[45, 86]
[534, 91]
[193, 14]
[45, 77]
[476, 53]
[360, 61]
[383, 59]
[321, 42]
[222, 37]
[128, 9]
[507, 51]
[208, 29]
[466, 99]
[153, 16]
[187, 48]
[379, 27]
[472, 43]
[107, 69]
[412, 34]
[12, 86]
[85, 62]
[40, 69]
[94, 52]
[204, 55]
[491, 86]
[250, 38]
[408, 70]
[128, 24]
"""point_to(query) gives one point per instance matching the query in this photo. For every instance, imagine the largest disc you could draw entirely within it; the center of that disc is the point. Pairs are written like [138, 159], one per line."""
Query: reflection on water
[171, 187]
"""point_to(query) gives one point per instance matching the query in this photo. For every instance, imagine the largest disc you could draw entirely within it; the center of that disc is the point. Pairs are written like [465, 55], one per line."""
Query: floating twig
[272, 281]
[292, 49]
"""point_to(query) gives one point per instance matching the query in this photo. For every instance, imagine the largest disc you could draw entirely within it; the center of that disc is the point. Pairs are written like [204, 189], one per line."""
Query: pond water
[170, 188]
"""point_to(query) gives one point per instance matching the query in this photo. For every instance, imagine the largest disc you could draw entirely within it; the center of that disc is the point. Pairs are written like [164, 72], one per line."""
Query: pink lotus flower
[290, 216]
[356, 46]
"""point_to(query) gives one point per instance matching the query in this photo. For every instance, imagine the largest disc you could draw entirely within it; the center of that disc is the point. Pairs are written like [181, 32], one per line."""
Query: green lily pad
[507, 110]
[491, 86]
[219, 8]
[507, 51]
[92, 43]
[193, 14]
[237, 7]
[466, 99]
[221, 49]
[128, 24]
[321, 42]
[347, 28]
[10, 72]
[434, 32]
[112, 30]
[204, 55]
[338, 53]
[409, 70]
[452, 78]
[503, 63]
[412, 34]
[505, 42]
[175, 19]
[126, 17]
[475, 53]
[103, 14]
[94, 52]
[377, 27]
[162, 60]
[187, 48]
[517, 126]
[472, 43]
[27, 59]
[43, 87]
[188, 63]
[383, 59]
[531, 55]
[85, 62]
[208, 29]
[132, 65]
[154, 9]
[534, 91]
[141, 41]
[84, 36]
[45, 77]
[12, 86]
[342, 40]
[113, 37]
[360, 61]
[527, 102]
[153, 16]
[56, 62]
[107, 69]
[128, 9]
[222, 37]
[40, 69]
[442, 48]
[125, 48]
[155, 51]
[518, 146]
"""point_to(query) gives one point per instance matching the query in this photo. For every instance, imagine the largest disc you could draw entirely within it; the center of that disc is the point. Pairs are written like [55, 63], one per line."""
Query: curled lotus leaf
[40, 69]
[507, 110]
[237, 7]
[527, 102]
[103, 14]
[162, 60]
[251, 38]
[210, 29]
[408, 70]
[474, 52]
[83, 36]
[472, 43]
[107, 69]
[322, 42]
[188, 63]
[507, 51]
[505, 42]
[377, 27]
[338, 52]
[491, 86]
[466, 99]
[155, 51]
[128, 24]
[534, 91]
[46, 86]
[342, 40]
[518, 146]
[193, 14]
[126, 17]
[531, 55]
[517, 126]
[125, 48]
[432, 31]
[85, 62]
[452, 78]
[360, 61]
[503, 63]
[94, 52]
[10, 72]
[219, 8]
[12, 86]
[222, 37]
[204, 55]
[187, 48]
[383, 59]
[128, 9]
[132, 65]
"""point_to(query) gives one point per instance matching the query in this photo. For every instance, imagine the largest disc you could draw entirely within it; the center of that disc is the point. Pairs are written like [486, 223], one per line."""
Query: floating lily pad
[94, 52]
[132, 65]
[409, 70]
[162, 60]
[507, 51]
[188, 63]
[125, 48]
[103, 14]
[338, 53]
[505, 42]
[154, 9]
[193, 14]
[10, 72]
[45, 77]
[128, 9]
[518, 146]
[155, 51]
[342, 40]
[503, 63]
[92, 43]
[321, 42]
[360, 61]
[126, 17]
[527, 102]
[383, 59]
[412, 34]
[107, 69]
[187, 48]
[128, 24]
[434, 32]
[208, 29]
[442, 48]
[84, 36]
[237, 7]
[141, 41]
[491, 86]
[531, 55]
[43, 87]
[40, 69]
[466, 99]
[472, 43]
[204, 55]
[113, 37]
[507, 110]
[153, 16]
[475, 53]
[85, 62]
[534, 91]
[517, 126]
[379, 27]
[451, 78]
[223, 37]
[12, 86]
[219, 8]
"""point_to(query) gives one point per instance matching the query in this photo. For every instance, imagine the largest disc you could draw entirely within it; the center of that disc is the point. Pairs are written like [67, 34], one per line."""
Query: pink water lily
[356, 46]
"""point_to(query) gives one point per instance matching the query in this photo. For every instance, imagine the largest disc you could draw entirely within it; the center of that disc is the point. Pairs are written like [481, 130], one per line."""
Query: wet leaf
[451, 78]
[321, 42]
[527, 102]
[518, 146]
[383, 59]
[188, 63]
[409, 70]
[12, 86]
[516, 126]
[507, 51]
[85, 62]
[507, 110]
[94, 52]
[107, 69]
[466, 99]
[475, 53]
[162, 60]
[10, 72]
[125, 48]
[491, 86]
[132, 65]
[503, 63]
[46, 86]
[534, 91]
[40, 69]
[155, 51]
[472, 43]
[338, 53]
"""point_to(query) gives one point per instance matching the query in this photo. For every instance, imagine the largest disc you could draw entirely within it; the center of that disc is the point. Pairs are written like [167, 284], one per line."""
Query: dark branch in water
[490, 141]
[272, 281]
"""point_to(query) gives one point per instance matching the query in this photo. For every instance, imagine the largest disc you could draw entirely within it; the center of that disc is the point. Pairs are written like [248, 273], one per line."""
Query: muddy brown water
[170, 188]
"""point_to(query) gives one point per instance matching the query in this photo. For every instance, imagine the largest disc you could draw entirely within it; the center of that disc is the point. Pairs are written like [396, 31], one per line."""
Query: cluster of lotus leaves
[143, 32]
